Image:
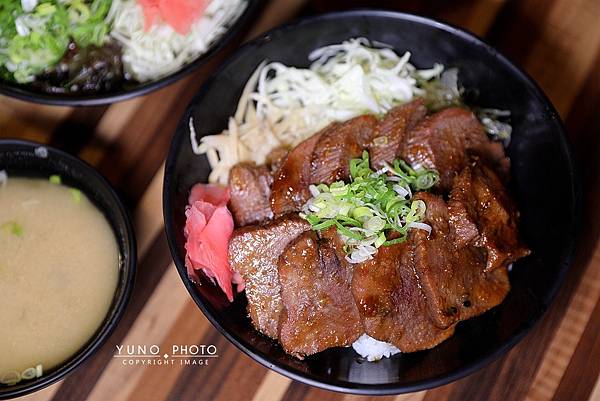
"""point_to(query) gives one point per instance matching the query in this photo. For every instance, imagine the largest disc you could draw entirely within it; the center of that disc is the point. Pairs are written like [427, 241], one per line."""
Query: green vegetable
[55, 179]
[443, 90]
[75, 194]
[13, 227]
[31, 42]
[371, 204]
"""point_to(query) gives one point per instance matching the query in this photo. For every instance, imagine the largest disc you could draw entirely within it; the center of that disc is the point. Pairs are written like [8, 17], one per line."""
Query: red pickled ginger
[208, 229]
[179, 14]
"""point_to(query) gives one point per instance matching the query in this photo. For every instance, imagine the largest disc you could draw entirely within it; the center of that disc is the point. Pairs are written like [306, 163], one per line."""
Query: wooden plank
[272, 387]
[111, 125]
[595, 396]
[157, 383]
[153, 324]
[75, 131]
[578, 381]
[29, 121]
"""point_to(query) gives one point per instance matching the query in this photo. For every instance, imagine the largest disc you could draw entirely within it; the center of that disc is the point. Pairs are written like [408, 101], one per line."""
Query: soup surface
[58, 272]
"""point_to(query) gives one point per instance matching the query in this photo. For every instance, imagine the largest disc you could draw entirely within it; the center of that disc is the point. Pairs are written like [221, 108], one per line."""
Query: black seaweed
[90, 70]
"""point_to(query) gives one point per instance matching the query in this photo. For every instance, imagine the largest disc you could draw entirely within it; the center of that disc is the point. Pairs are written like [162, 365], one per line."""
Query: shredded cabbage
[148, 55]
[281, 106]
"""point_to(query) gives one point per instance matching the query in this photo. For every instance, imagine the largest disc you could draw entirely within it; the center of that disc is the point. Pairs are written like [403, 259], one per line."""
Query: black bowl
[132, 90]
[544, 184]
[18, 158]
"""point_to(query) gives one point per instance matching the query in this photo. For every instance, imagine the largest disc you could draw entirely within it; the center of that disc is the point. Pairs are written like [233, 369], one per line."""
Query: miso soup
[59, 267]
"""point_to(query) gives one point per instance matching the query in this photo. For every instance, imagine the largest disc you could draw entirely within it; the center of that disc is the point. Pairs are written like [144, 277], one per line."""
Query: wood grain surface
[556, 41]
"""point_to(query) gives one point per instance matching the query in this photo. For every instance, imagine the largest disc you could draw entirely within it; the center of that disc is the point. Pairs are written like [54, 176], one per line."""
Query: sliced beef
[444, 140]
[392, 305]
[482, 214]
[275, 159]
[338, 144]
[289, 190]
[250, 187]
[254, 253]
[452, 276]
[391, 132]
[319, 311]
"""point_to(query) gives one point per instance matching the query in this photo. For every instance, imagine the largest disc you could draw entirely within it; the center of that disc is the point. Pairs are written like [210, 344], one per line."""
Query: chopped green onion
[361, 212]
[323, 225]
[55, 179]
[370, 204]
[28, 374]
[395, 241]
[349, 220]
[13, 227]
[312, 219]
[380, 240]
[375, 224]
[347, 232]
[427, 180]
[10, 378]
[75, 194]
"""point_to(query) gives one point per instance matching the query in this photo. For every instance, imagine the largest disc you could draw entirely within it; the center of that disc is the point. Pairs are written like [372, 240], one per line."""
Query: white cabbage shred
[281, 106]
[148, 55]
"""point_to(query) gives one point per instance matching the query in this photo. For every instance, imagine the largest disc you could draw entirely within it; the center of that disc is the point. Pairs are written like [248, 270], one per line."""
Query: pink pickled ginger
[179, 14]
[208, 229]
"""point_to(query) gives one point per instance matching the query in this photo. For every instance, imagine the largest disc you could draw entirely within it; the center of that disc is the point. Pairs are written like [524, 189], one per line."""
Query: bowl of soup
[67, 264]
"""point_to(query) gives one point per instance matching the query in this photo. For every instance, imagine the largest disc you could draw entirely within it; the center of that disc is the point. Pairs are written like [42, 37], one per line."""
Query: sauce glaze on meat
[300, 288]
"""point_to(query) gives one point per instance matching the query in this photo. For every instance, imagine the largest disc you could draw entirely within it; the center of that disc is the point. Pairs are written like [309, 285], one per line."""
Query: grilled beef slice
[391, 132]
[254, 253]
[250, 187]
[452, 275]
[444, 140]
[392, 305]
[482, 214]
[319, 311]
[289, 190]
[337, 145]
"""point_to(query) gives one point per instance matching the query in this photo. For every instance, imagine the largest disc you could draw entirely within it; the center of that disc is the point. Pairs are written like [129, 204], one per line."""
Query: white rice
[372, 349]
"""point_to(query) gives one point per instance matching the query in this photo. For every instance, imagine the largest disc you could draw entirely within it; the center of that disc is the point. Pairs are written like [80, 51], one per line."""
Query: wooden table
[556, 41]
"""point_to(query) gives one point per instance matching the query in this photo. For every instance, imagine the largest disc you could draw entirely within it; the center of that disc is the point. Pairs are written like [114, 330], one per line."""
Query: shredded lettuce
[373, 206]
[34, 36]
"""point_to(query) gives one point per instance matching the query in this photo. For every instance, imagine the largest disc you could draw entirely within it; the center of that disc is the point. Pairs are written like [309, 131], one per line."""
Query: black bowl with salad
[90, 52]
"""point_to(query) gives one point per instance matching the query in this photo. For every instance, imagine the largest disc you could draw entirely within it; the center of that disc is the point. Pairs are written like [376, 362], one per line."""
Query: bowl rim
[22, 93]
[375, 389]
[129, 264]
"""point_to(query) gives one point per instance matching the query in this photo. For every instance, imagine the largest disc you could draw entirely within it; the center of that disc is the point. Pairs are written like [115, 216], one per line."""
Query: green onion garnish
[55, 179]
[372, 203]
[75, 194]
[13, 228]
